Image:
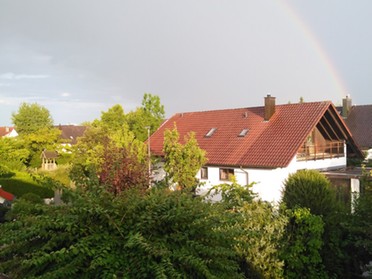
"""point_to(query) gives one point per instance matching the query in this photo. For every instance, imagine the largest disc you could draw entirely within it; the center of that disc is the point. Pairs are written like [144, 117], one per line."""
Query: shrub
[159, 234]
[359, 226]
[309, 189]
[33, 198]
[3, 211]
[302, 245]
[259, 242]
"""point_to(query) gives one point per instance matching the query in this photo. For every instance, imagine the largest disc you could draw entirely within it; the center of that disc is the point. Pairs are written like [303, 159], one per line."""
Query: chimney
[6, 129]
[346, 106]
[269, 107]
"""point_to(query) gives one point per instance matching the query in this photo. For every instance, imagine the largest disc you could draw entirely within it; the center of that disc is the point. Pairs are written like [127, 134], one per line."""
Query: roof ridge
[240, 108]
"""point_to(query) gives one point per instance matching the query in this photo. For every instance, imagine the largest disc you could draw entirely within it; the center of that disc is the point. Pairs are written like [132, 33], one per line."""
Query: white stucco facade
[268, 182]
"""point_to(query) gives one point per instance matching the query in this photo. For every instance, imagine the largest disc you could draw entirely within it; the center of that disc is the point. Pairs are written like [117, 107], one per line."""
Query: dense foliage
[122, 171]
[359, 226]
[146, 118]
[182, 160]
[159, 234]
[301, 252]
[309, 189]
[30, 118]
[342, 253]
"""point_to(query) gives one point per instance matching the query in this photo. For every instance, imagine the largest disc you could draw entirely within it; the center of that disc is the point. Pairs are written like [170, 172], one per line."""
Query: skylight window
[243, 133]
[211, 132]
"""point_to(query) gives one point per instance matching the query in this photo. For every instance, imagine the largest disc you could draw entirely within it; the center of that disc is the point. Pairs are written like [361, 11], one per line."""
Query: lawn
[22, 183]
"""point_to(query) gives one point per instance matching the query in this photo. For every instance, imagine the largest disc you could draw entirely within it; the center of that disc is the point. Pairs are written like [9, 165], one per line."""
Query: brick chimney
[269, 107]
[346, 106]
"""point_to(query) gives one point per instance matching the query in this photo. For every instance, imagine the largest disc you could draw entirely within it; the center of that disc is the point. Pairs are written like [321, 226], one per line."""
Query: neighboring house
[48, 159]
[8, 132]
[70, 133]
[264, 144]
[358, 118]
[5, 197]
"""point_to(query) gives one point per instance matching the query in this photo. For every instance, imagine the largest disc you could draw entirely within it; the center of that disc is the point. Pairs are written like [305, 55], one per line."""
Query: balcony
[334, 149]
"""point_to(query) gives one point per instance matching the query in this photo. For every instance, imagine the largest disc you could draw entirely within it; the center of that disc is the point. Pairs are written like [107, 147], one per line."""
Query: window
[226, 173]
[243, 133]
[211, 132]
[204, 173]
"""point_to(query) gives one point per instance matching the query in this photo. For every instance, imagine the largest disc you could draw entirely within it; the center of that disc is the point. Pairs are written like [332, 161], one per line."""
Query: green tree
[13, 153]
[182, 161]
[109, 132]
[149, 116]
[31, 118]
[36, 142]
[114, 118]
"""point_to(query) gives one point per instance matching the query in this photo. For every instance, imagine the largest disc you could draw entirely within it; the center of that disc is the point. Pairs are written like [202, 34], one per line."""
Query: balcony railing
[334, 149]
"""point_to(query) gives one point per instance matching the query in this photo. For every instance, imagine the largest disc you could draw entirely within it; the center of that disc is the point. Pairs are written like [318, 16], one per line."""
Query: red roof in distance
[5, 130]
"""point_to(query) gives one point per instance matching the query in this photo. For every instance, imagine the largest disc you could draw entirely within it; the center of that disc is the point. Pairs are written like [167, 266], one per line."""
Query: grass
[61, 174]
[22, 183]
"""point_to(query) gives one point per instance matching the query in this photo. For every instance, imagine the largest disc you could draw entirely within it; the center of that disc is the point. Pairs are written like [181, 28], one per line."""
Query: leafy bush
[359, 227]
[309, 189]
[159, 234]
[302, 245]
[260, 240]
[3, 211]
[33, 198]
[259, 229]
[233, 195]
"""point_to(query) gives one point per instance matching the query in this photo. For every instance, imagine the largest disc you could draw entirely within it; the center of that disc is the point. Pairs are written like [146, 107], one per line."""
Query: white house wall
[269, 182]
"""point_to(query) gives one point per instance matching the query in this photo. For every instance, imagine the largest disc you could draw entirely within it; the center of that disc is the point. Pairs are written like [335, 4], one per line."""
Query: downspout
[246, 175]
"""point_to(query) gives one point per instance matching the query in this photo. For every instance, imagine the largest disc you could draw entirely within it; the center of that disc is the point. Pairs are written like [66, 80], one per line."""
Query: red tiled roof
[5, 130]
[268, 144]
[359, 122]
[6, 195]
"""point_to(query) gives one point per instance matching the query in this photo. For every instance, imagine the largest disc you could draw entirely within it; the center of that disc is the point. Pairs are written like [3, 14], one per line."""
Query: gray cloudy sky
[80, 57]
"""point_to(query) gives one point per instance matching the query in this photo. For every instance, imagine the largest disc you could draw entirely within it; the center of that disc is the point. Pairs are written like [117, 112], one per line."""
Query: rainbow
[317, 46]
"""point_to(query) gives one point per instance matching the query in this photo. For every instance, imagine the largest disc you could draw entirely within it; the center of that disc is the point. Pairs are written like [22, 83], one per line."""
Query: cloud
[11, 76]
[65, 94]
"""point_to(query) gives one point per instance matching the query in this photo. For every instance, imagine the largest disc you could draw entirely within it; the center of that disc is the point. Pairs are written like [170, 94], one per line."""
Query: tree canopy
[149, 116]
[182, 161]
[31, 117]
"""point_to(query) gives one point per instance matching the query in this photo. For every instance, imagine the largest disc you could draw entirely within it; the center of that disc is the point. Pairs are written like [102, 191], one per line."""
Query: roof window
[211, 132]
[243, 133]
